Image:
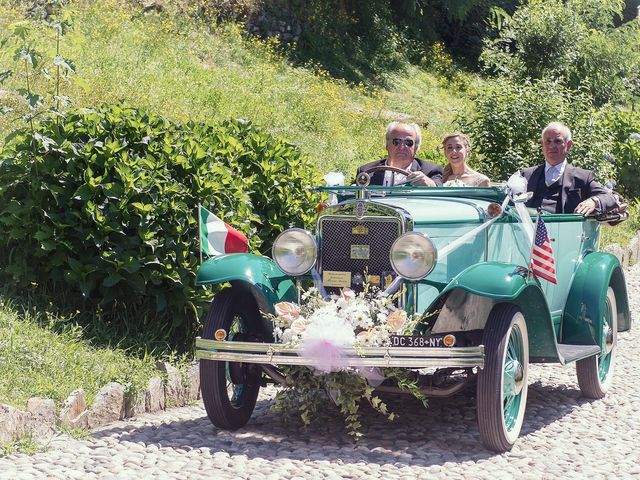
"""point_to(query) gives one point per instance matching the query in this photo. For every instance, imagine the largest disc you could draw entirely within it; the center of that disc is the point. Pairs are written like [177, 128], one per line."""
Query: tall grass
[41, 355]
[185, 71]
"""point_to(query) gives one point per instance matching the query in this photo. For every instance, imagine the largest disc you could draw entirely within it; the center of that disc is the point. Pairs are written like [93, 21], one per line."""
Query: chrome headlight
[295, 251]
[413, 255]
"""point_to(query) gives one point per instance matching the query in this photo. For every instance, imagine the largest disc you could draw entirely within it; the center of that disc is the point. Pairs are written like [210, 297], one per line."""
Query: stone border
[627, 256]
[40, 421]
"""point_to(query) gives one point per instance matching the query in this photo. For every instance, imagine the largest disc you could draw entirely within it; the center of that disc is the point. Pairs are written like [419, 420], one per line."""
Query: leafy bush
[625, 130]
[509, 119]
[572, 42]
[101, 203]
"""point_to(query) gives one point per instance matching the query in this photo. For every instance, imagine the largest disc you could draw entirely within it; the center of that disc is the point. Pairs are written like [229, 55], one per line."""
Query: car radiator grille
[339, 235]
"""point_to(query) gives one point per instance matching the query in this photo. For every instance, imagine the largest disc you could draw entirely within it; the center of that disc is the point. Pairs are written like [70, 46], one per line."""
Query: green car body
[480, 290]
[483, 269]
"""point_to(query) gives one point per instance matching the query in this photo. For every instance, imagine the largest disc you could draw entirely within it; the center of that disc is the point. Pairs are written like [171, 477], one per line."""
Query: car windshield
[494, 193]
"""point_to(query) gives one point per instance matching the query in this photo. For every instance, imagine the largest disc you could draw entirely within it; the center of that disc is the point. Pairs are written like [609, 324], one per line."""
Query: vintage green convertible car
[462, 256]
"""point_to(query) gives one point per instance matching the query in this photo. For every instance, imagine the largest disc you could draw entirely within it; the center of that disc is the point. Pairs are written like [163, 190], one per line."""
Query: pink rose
[396, 320]
[347, 294]
[287, 310]
[298, 326]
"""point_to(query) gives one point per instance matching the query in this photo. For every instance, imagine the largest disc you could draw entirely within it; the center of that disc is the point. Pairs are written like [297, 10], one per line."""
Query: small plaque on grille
[373, 280]
[360, 230]
[360, 252]
[336, 279]
[387, 278]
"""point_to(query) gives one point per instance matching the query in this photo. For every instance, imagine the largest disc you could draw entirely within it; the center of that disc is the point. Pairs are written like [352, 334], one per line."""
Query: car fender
[584, 308]
[495, 282]
[258, 275]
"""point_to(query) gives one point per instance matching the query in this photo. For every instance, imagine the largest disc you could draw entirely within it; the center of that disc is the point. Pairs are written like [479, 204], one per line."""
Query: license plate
[416, 341]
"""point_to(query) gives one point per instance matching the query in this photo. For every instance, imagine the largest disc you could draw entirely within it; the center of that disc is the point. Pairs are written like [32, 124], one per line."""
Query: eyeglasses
[407, 141]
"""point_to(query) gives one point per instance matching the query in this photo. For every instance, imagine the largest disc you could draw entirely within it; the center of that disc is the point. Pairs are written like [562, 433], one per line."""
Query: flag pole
[535, 232]
[200, 231]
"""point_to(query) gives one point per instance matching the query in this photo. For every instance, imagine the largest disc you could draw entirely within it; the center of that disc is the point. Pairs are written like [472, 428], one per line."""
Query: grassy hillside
[186, 72]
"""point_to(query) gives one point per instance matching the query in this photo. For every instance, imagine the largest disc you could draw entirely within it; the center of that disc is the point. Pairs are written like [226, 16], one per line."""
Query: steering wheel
[364, 181]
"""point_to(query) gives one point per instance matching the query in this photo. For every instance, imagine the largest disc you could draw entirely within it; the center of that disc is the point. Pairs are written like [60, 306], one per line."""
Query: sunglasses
[407, 141]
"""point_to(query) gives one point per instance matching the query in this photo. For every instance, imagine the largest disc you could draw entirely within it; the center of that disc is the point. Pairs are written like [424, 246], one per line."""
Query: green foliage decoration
[508, 122]
[106, 208]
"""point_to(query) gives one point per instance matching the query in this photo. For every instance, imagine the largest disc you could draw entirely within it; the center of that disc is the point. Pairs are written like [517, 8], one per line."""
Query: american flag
[542, 263]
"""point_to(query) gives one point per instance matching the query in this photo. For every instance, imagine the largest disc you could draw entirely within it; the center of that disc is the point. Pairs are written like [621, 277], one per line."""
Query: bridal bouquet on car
[324, 331]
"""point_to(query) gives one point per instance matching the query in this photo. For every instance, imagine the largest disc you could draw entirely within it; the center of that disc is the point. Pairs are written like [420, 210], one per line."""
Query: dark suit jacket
[431, 170]
[578, 184]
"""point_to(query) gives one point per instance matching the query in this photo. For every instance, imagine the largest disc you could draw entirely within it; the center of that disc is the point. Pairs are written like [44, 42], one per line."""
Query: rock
[154, 396]
[634, 250]
[41, 421]
[173, 391]
[193, 388]
[152, 5]
[12, 423]
[134, 404]
[108, 405]
[73, 413]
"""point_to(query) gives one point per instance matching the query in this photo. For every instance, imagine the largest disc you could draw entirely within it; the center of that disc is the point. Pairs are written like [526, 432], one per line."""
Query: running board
[571, 353]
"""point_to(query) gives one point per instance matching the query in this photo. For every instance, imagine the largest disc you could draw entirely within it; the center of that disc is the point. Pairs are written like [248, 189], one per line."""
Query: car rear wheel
[596, 373]
[230, 389]
[502, 383]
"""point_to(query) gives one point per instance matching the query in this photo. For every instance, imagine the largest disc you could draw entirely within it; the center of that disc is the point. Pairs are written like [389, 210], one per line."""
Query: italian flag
[217, 237]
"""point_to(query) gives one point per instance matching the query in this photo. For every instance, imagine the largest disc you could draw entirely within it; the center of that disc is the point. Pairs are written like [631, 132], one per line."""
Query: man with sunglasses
[403, 141]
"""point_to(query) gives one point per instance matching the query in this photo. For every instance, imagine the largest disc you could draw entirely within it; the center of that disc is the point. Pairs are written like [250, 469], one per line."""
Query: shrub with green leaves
[508, 122]
[625, 129]
[101, 203]
[573, 42]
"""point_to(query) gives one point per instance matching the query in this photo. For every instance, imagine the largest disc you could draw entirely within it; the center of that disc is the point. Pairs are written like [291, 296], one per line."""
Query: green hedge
[100, 206]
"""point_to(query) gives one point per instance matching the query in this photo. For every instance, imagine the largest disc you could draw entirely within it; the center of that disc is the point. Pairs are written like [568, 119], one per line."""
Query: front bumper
[407, 357]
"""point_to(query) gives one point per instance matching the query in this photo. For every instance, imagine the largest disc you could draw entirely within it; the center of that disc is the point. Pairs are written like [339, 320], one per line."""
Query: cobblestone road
[564, 436]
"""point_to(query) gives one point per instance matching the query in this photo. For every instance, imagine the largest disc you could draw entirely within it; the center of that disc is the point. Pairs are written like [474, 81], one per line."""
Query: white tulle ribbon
[325, 344]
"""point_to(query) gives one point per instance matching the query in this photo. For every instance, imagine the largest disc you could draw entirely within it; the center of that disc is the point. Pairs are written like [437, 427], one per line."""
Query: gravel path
[564, 436]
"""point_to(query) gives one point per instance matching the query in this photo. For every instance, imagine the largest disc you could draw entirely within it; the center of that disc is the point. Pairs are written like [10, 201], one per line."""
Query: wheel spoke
[512, 378]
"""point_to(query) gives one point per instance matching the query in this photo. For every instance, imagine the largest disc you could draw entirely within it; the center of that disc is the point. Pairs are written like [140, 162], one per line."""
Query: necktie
[551, 175]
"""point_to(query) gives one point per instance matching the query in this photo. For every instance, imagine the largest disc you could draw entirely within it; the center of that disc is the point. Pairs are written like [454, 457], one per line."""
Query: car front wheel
[595, 373]
[230, 389]
[502, 383]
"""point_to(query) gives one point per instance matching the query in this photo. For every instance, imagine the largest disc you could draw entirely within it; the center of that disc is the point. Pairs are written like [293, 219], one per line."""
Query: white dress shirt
[552, 173]
[393, 178]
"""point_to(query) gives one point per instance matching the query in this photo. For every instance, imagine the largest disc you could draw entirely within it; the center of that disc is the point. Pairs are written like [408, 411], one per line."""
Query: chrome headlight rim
[430, 248]
[307, 265]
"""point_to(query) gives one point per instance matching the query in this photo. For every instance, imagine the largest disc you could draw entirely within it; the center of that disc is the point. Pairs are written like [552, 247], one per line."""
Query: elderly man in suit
[403, 141]
[562, 188]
